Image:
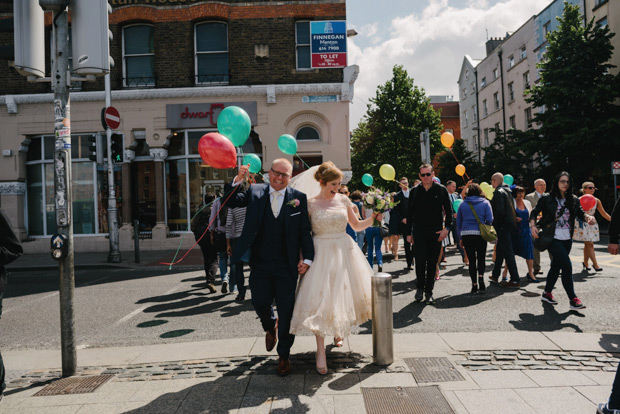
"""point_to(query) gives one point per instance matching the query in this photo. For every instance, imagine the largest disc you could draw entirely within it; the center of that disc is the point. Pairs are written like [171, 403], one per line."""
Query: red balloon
[217, 151]
[587, 202]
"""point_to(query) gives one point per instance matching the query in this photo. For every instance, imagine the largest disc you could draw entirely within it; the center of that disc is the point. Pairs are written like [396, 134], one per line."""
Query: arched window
[308, 133]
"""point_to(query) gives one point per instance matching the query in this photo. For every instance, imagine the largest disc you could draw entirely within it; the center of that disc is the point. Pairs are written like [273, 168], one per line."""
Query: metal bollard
[136, 241]
[382, 319]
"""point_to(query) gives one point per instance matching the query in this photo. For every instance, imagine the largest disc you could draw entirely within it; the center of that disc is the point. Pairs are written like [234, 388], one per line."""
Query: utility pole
[62, 179]
[115, 255]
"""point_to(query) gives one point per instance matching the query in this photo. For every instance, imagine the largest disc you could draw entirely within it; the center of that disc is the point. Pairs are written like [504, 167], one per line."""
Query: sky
[428, 37]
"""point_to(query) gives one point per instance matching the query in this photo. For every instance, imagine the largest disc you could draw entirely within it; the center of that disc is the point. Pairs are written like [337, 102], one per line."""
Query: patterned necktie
[275, 205]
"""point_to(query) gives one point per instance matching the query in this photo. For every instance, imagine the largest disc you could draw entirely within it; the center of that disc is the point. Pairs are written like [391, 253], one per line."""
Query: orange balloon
[460, 169]
[447, 139]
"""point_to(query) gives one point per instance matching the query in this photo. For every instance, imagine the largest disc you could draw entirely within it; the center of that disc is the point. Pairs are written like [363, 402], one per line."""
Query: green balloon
[457, 203]
[235, 124]
[287, 144]
[508, 179]
[254, 161]
[367, 179]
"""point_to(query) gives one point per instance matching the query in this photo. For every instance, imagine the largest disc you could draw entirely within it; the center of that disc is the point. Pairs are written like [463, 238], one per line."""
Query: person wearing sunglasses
[425, 229]
[587, 233]
[559, 209]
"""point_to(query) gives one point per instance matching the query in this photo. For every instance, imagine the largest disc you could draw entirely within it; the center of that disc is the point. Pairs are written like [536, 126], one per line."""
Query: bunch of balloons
[218, 149]
[487, 189]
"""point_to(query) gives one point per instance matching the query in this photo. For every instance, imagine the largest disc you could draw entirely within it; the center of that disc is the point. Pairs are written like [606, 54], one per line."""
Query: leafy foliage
[512, 153]
[390, 131]
[446, 164]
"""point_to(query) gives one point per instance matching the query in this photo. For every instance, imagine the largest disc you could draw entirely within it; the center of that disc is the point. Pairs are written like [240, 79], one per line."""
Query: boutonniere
[293, 203]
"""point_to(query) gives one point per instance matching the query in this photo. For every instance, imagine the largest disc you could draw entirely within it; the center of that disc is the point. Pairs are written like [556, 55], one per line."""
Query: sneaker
[211, 288]
[604, 409]
[493, 279]
[379, 268]
[224, 287]
[511, 284]
[474, 289]
[430, 300]
[576, 304]
[548, 297]
[419, 295]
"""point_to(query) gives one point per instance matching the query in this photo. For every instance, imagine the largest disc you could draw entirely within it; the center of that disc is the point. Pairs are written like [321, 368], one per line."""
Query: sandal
[320, 370]
[338, 342]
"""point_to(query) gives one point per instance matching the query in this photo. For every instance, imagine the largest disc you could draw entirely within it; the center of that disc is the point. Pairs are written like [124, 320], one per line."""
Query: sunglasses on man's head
[425, 174]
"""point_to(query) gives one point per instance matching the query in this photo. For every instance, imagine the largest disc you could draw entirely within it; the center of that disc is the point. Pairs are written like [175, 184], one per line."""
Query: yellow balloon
[460, 169]
[489, 192]
[386, 171]
[447, 139]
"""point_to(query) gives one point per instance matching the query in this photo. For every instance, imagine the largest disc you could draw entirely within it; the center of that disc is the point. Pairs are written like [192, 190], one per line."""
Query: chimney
[492, 43]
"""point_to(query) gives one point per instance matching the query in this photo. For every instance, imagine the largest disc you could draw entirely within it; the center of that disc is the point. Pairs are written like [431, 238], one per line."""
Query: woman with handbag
[474, 211]
[559, 209]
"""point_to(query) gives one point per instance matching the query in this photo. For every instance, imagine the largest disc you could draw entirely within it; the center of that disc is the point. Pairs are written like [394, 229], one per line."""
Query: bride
[335, 294]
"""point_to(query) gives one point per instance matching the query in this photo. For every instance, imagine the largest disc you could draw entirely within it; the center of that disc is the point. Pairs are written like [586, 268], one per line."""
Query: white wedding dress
[335, 293]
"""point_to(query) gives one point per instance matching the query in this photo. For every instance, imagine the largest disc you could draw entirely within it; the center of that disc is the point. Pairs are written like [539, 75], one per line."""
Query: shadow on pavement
[550, 320]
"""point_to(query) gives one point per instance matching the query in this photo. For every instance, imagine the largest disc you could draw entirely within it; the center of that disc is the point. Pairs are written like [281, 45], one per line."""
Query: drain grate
[433, 370]
[73, 385]
[407, 400]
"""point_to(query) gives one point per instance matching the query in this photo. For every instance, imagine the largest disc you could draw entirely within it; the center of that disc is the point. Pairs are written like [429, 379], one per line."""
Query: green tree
[446, 164]
[390, 131]
[579, 119]
[512, 153]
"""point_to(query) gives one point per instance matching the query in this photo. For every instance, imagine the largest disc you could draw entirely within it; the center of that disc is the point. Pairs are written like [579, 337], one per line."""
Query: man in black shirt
[428, 205]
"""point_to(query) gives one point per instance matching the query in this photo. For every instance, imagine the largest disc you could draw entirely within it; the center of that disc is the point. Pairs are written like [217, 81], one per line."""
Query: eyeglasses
[279, 174]
[591, 188]
[563, 181]
[425, 175]
[343, 192]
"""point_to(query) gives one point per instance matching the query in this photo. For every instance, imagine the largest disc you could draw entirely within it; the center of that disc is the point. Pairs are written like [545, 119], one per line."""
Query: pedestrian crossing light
[117, 148]
[95, 148]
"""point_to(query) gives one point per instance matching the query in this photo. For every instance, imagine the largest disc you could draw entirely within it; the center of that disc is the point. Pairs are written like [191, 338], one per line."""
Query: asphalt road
[132, 307]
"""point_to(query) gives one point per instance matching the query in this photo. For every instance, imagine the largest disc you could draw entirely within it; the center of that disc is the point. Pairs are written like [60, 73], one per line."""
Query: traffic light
[28, 50]
[96, 148]
[91, 37]
[117, 148]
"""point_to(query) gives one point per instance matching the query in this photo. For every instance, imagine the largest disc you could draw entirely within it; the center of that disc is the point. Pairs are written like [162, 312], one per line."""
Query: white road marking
[141, 309]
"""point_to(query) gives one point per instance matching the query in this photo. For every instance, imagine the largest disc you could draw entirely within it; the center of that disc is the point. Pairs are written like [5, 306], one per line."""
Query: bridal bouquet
[378, 201]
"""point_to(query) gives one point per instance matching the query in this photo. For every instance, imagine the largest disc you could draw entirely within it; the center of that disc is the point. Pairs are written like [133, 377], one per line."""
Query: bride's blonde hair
[327, 172]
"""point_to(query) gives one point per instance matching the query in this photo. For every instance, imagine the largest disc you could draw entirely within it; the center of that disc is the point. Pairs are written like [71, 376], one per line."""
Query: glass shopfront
[89, 213]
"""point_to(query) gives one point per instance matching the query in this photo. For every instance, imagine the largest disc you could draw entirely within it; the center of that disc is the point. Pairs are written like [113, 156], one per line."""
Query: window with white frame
[473, 87]
[302, 45]
[474, 111]
[546, 29]
[496, 100]
[485, 109]
[602, 22]
[495, 73]
[486, 137]
[138, 56]
[211, 43]
[308, 133]
[464, 92]
[511, 91]
[523, 52]
[465, 119]
[511, 61]
[483, 82]
[512, 122]
[496, 127]
[528, 118]
[526, 80]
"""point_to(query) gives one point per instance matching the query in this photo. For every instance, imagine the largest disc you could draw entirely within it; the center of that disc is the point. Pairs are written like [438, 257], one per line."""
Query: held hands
[590, 219]
[302, 267]
[442, 234]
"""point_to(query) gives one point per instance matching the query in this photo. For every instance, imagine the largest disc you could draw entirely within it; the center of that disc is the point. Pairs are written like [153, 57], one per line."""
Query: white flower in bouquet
[369, 199]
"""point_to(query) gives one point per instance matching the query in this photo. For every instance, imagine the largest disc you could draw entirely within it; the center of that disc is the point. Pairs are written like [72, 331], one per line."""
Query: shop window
[211, 53]
[138, 56]
[308, 133]
[302, 44]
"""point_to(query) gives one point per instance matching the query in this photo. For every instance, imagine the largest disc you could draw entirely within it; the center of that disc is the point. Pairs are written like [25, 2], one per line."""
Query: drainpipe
[477, 117]
[501, 80]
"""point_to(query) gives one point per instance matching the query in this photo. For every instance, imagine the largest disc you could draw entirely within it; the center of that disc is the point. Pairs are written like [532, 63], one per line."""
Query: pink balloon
[217, 151]
[587, 202]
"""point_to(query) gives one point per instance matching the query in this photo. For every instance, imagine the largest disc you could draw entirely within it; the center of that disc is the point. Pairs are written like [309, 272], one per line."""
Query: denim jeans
[361, 236]
[560, 261]
[223, 263]
[373, 241]
[614, 398]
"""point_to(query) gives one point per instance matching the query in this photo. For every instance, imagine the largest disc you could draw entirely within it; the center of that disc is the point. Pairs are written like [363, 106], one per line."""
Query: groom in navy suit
[277, 230]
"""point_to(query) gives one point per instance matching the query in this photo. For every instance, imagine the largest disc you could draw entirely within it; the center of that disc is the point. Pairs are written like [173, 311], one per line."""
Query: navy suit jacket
[296, 221]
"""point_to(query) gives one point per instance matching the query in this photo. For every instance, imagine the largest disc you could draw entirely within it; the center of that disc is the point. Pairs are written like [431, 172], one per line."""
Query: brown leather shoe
[284, 367]
[271, 337]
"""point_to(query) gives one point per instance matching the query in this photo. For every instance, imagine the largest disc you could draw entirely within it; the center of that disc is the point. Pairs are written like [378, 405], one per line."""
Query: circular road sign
[112, 117]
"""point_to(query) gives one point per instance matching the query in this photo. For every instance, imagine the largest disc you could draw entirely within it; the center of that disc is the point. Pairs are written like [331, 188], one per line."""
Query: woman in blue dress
[523, 243]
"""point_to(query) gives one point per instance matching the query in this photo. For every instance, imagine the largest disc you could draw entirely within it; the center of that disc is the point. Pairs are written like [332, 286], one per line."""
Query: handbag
[546, 234]
[384, 231]
[487, 231]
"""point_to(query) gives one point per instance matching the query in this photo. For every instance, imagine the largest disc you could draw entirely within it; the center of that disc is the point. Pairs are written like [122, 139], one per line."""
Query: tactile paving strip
[433, 369]
[406, 400]
[73, 385]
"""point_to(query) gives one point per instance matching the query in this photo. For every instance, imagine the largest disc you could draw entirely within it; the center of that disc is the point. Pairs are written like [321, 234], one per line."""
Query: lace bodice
[329, 216]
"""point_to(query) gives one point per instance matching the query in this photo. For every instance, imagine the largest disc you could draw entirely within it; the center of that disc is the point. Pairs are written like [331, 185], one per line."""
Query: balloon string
[203, 234]
[458, 162]
[302, 160]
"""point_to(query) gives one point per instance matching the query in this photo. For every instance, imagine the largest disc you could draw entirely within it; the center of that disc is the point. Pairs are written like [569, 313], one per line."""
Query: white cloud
[431, 45]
